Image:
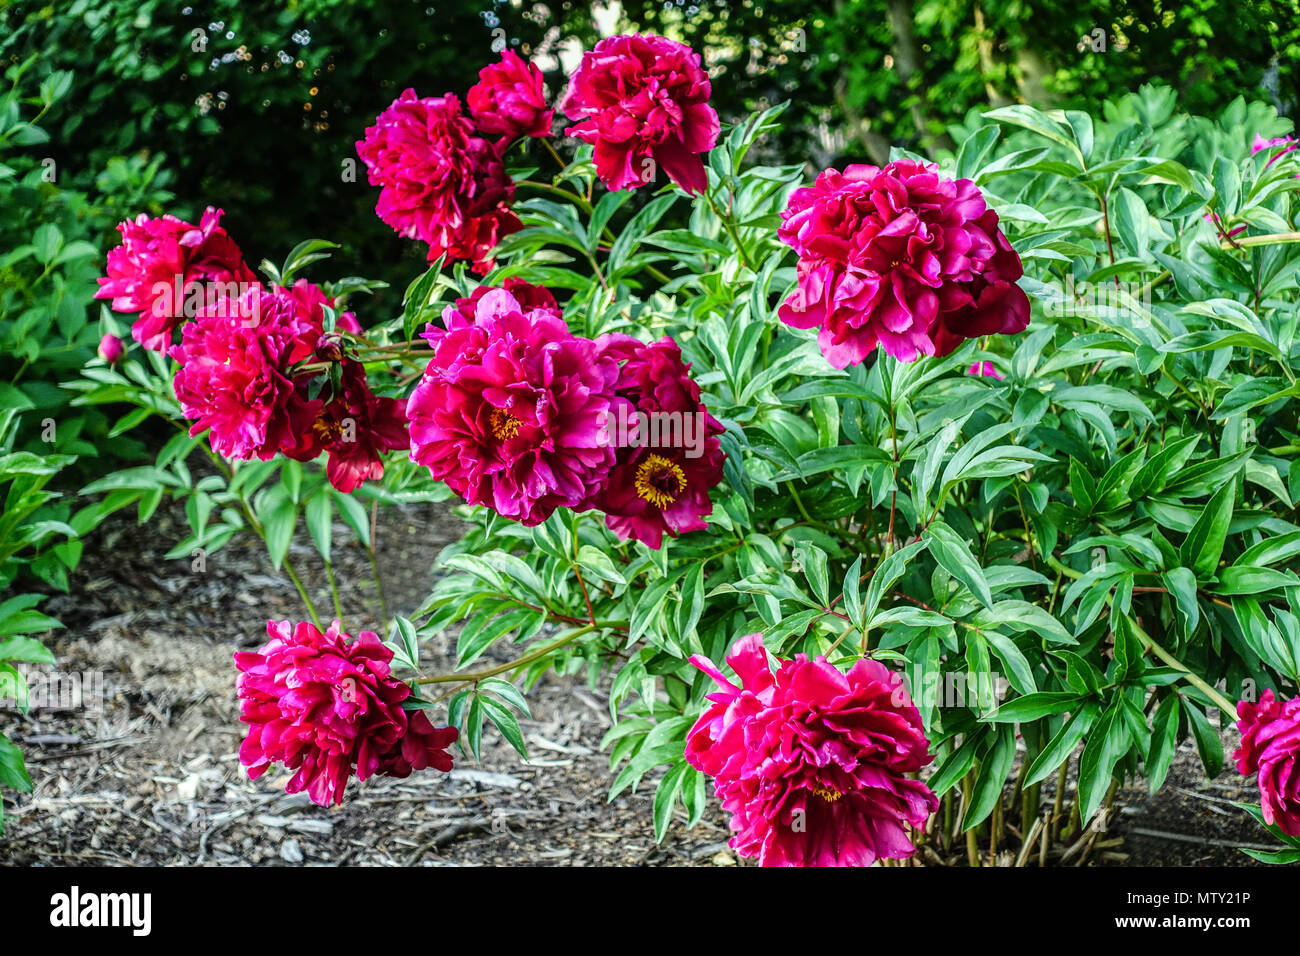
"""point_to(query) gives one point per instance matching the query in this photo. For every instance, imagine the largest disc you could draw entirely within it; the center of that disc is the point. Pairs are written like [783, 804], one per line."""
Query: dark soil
[153, 778]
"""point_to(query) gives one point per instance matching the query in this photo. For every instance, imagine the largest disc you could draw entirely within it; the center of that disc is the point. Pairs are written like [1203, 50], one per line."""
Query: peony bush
[908, 509]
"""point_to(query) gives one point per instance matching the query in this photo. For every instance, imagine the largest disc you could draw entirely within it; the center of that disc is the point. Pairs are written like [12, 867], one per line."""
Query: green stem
[302, 591]
[572, 197]
[1151, 645]
[334, 592]
[732, 231]
[469, 677]
[1225, 705]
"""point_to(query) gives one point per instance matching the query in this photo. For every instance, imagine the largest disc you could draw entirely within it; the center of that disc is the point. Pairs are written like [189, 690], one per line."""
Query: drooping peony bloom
[463, 311]
[355, 427]
[669, 457]
[509, 411]
[421, 747]
[901, 257]
[984, 368]
[812, 763]
[509, 100]
[439, 182]
[155, 270]
[1260, 144]
[642, 102]
[320, 704]
[1270, 751]
[111, 349]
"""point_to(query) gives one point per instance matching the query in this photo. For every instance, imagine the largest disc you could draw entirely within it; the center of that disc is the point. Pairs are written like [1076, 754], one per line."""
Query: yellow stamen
[830, 796]
[650, 481]
[504, 425]
[326, 429]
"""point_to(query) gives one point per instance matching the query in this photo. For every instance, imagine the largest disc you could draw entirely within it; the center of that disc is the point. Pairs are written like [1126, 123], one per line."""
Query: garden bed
[154, 779]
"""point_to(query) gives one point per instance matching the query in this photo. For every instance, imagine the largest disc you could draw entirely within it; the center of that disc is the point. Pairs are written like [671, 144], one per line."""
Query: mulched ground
[153, 779]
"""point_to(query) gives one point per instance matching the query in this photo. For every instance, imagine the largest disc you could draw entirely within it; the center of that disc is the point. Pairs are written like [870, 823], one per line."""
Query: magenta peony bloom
[439, 182]
[111, 349]
[1260, 144]
[155, 269]
[643, 103]
[236, 360]
[902, 258]
[510, 409]
[509, 101]
[812, 763]
[355, 427]
[322, 705]
[984, 368]
[669, 457]
[421, 747]
[463, 311]
[1270, 750]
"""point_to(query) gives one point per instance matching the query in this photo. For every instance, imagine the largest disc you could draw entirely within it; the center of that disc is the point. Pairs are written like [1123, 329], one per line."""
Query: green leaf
[886, 575]
[1208, 744]
[23, 648]
[1108, 741]
[992, 777]
[319, 517]
[1181, 583]
[954, 556]
[1204, 544]
[1164, 741]
[278, 515]
[666, 796]
[13, 771]
[1033, 706]
[508, 691]
[1062, 744]
[506, 722]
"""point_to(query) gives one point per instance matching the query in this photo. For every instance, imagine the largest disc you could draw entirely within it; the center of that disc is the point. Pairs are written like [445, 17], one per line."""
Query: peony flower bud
[111, 349]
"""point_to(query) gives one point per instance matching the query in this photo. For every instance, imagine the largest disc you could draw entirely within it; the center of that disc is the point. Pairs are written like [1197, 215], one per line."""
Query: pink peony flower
[155, 269]
[984, 368]
[1270, 750]
[322, 705]
[643, 103]
[355, 427]
[111, 349]
[669, 457]
[439, 182]
[900, 257]
[421, 747]
[509, 411]
[463, 311]
[509, 100]
[812, 763]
